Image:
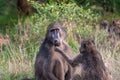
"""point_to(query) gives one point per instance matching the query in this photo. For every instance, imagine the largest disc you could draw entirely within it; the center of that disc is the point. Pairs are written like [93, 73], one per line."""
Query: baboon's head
[56, 33]
[87, 46]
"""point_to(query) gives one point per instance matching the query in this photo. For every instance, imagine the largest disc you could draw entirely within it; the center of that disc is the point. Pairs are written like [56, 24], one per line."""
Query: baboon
[93, 67]
[104, 24]
[115, 25]
[113, 28]
[49, 64]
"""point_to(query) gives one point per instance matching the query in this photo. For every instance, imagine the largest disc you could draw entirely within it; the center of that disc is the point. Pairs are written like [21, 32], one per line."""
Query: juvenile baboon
[104, 25]
[93, 67]
[49, 64]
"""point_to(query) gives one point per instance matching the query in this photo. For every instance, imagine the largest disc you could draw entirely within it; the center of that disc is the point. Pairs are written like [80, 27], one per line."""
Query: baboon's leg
[58, 70]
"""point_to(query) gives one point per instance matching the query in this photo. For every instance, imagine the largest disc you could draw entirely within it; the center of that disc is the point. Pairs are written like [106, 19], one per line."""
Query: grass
[17, 58]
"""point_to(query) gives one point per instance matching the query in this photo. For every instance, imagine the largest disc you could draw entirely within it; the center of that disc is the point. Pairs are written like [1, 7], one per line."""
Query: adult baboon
[50, 65]
[93, 67]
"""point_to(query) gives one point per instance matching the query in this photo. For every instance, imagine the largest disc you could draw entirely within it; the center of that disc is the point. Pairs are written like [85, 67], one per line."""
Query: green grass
[17, 58]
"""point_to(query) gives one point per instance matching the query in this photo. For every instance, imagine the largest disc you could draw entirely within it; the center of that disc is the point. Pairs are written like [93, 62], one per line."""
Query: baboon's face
[56, 34]
[87, 45]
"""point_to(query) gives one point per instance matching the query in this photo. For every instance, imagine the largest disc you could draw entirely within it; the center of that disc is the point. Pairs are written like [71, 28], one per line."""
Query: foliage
[107, 5]
[55, 1]
[55, 11]
[8, 11]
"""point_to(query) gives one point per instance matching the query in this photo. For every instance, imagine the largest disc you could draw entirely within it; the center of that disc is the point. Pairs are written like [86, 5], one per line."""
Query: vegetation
[25, 35]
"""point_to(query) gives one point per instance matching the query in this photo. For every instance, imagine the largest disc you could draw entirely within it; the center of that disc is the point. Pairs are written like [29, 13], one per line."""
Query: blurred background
[23, 26]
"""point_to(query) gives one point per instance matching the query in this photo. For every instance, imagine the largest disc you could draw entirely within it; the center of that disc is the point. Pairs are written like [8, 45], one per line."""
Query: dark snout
[56, 42]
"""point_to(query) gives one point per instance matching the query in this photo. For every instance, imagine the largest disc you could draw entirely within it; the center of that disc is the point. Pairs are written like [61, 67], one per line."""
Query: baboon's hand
[58, 49]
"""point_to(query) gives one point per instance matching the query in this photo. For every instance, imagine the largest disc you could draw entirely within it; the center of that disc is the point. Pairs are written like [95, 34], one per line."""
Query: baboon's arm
[73, 62]
[70, 61]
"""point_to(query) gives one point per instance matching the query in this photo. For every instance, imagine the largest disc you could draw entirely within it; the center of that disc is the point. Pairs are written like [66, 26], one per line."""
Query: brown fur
[50, 65]
[93, 67]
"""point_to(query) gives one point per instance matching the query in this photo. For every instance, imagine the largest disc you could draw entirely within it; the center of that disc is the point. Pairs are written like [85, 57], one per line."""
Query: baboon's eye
[52, 30]
[84, 45]
[57, 29]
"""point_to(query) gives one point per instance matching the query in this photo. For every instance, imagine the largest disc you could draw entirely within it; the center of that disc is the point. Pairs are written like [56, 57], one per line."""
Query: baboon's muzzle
[57, 42]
